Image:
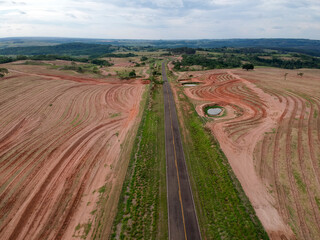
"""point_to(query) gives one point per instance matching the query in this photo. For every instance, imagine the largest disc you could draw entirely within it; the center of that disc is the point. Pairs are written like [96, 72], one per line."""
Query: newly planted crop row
[295, 146]
[60, 145]
[287, 156]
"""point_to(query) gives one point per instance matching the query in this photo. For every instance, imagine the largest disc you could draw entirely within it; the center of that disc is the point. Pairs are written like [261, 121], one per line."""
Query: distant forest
[73, 49]
[231, 60]
[294, 56]
[310, 47]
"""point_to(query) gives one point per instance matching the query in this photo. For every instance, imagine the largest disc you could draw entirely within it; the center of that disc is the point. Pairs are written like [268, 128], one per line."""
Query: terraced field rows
[271, 136]
[60, 142]
[295, 147]
[238, 131]
[234, 92]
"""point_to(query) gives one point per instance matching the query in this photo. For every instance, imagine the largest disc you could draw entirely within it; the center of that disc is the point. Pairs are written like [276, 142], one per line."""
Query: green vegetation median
[223, 209]
[142, 209]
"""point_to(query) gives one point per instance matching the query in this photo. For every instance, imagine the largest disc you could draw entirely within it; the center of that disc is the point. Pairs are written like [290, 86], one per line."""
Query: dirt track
[60, 141]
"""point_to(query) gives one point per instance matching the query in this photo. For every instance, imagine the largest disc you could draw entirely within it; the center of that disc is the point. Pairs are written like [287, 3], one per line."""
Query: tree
[143, 58]
[132, 74]
[300, 74]
[80, 70]
[3, 71]
[248, 66]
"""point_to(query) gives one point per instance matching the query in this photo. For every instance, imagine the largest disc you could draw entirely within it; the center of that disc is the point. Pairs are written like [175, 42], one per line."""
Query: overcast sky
[161, 19]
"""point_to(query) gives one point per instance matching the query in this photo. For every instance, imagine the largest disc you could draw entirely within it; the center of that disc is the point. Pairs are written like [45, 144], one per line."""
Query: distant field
[270, 135]
[64, 143]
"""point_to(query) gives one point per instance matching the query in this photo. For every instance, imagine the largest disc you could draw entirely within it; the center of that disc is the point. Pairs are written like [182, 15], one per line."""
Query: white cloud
[165, 19]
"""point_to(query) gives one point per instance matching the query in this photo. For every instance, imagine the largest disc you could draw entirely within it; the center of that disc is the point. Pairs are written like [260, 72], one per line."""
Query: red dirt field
[63, 146]
[271, 137]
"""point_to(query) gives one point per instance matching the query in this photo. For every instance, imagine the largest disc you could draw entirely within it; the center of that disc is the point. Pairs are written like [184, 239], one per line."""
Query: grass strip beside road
[142, 208]
[223, 209]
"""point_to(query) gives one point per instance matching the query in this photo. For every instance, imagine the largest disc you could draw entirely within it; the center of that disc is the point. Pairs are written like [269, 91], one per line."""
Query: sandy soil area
[61, 139]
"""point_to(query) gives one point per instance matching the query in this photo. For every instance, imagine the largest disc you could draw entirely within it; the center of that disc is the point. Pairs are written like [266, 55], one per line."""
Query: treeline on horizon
[222, 57]
[307, 46]
[234, 58]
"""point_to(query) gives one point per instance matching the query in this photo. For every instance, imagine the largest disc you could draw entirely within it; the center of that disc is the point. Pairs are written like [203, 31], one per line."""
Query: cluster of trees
[101, 62]
[233, 60]
[205, 62]
[82, 68]
[143, 58]
[248, 66]
[182, 50]
[302, 62]
[119, 55]
[126, 74]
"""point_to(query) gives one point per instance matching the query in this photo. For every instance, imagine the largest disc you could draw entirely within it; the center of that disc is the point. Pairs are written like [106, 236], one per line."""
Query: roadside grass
[142, 207]
[223, 209]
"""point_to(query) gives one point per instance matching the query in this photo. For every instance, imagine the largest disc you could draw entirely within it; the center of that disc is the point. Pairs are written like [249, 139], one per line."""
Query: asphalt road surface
[182, 218]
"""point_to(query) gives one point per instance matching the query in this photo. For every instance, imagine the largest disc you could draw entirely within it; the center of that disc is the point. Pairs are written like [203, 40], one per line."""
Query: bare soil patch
[61, 142]
[270, 136]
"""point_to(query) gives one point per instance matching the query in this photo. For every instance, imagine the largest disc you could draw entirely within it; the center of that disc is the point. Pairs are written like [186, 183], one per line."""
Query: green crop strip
[142, 208]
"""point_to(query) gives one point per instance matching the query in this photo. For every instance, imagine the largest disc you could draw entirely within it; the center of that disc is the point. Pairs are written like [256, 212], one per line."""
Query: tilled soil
[61, 138]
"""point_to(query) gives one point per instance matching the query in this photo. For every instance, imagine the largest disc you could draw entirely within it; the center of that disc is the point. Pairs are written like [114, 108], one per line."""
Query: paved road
[183, 223]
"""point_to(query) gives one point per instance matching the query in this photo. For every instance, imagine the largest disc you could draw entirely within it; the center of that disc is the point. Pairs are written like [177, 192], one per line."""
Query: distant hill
[82, 46]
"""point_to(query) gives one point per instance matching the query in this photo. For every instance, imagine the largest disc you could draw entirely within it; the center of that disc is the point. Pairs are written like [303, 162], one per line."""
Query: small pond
[214, 111]
[190, 84]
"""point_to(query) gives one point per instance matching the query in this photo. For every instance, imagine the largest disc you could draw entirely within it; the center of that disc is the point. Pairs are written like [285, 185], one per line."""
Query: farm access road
[182, 218]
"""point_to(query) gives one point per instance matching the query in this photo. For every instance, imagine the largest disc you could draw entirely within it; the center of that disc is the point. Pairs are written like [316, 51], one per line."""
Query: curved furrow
[54, 134]
[318, 121]
[27, 103]
[68, 197]
[49, 130]
[30, 162]
[52, 129]
[303, 161]
[312, 142]
[69, 212]
[273, 92]
[281, 129]
[43, 188]
[293, 186]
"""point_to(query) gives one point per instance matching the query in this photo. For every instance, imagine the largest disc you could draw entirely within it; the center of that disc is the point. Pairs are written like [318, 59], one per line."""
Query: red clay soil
[60, 142]
[250, 113]
[292, 171]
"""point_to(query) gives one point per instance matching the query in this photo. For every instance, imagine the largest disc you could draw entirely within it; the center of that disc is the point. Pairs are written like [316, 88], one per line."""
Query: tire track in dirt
[281, 196]
[302, 162]
[293, 187]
